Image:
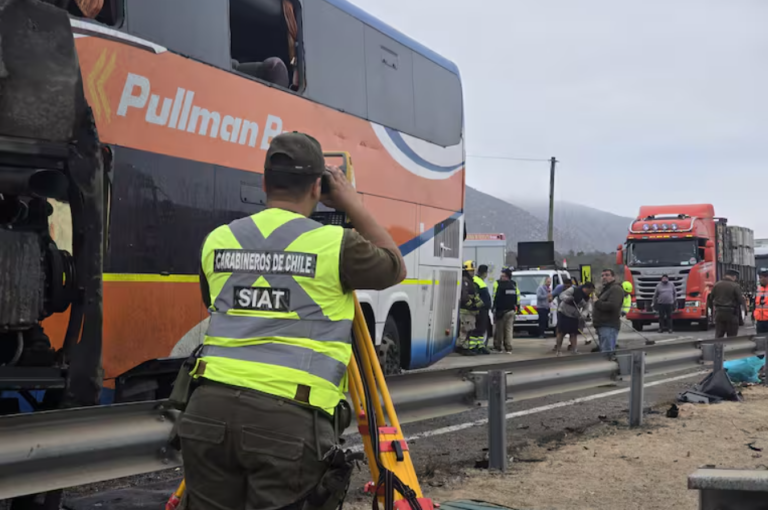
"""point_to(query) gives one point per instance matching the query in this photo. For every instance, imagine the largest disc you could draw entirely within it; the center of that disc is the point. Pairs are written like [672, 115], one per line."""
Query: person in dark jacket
[727, 299]
[505, 309]
[571, 314]
[606, 315]
[664, 300]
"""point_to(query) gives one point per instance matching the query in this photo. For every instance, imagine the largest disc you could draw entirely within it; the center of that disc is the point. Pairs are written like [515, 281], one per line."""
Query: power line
[509, 158]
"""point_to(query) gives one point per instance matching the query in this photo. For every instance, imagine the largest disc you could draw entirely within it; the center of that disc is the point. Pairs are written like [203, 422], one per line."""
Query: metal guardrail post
[497, 420]
[719, 357]
[637, 389]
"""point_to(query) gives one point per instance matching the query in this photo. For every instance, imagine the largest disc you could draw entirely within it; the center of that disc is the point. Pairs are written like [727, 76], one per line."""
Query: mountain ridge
[577, 227]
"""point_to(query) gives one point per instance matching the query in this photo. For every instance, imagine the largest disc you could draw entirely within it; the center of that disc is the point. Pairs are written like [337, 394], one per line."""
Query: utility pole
[551, 227]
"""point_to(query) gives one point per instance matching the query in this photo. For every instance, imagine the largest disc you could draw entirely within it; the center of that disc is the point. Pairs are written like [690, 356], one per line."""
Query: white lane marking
[541, 409]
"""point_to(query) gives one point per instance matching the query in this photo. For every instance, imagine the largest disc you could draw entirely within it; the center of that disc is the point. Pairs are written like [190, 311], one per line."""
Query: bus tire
[389, 349]
[638, 325]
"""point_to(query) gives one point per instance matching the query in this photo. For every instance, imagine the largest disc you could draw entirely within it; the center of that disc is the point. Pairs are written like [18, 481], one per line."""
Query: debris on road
[744, 370]
[753, 447]
[673, 411]
[715, 387]
[652, 469]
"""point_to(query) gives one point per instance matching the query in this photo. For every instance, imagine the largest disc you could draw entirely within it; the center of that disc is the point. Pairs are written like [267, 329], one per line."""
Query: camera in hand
[324, 214]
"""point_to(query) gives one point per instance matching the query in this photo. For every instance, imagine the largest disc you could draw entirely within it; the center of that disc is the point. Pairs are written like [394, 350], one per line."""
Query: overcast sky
[642, 101]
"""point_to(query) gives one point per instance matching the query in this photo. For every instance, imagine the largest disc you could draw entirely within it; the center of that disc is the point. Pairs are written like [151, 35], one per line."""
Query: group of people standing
[575, 303]
[476, 305]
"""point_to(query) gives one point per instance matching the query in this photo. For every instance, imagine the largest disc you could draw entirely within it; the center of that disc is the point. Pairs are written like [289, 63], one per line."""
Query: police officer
[727, 299]
[505, 299]
[262, 424]
[761, 304]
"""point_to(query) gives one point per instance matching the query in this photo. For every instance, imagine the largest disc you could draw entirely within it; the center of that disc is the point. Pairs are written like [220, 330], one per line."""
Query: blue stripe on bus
[416, 242]
[406, 149]
[398, 36]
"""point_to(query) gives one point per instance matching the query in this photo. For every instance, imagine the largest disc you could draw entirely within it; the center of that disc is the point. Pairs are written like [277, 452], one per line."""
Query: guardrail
[46, 451]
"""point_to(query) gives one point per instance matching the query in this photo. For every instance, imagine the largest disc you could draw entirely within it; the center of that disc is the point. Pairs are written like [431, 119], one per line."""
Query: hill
[578, 228]
[487, 214]
[604, 230]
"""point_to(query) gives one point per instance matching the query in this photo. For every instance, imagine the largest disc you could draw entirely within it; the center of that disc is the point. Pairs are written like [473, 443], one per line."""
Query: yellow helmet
[469, 265]
[627, 286]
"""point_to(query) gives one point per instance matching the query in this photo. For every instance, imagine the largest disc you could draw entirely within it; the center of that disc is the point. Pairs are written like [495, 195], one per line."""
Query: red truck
[694, 249]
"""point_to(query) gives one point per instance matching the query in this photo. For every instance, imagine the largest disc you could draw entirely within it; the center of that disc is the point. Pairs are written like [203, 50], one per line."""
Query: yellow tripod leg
[392, 454]
[175, 499]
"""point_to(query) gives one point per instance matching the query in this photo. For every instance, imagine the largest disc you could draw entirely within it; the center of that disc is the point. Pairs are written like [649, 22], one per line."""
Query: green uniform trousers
[246, 450]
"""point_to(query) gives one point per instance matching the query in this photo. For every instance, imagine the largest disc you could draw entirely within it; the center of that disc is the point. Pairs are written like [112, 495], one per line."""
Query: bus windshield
[529, 283]
[663, 253]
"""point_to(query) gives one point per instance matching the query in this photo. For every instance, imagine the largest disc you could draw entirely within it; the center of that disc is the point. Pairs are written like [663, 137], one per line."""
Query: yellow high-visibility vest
[281, 322]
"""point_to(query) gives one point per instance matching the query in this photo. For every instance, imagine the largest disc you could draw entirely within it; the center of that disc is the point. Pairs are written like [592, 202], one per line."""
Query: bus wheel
[389, 349]
[638, 325]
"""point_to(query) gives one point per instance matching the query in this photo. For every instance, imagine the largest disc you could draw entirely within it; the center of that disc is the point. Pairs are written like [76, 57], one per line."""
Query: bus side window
[264, 40]
[110, 12]
[194, 28]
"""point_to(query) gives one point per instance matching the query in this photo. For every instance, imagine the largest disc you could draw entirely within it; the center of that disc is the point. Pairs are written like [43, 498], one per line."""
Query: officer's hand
[342, 196]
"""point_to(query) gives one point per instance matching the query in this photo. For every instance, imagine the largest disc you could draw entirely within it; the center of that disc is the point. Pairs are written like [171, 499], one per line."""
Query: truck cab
[528, 281]
[694, 249]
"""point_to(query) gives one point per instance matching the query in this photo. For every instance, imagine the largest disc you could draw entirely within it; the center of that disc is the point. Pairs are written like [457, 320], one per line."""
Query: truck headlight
[694, 304]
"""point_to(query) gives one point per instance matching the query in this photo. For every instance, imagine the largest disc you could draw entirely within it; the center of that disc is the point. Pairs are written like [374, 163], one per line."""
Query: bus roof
[398, 36]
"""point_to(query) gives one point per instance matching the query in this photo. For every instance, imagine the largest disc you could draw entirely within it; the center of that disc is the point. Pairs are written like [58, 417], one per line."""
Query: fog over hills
[578, 228]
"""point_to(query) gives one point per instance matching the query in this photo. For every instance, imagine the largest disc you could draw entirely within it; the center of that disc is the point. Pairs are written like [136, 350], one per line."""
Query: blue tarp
[744, 370]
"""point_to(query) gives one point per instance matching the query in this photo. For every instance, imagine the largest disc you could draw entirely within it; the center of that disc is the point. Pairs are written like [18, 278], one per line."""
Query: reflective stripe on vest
[479, 282]
[761, 304]
[284, 355]
[303, 338]
[627, 304]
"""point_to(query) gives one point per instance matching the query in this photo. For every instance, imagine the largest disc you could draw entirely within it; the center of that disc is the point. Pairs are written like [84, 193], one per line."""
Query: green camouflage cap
[304, 152]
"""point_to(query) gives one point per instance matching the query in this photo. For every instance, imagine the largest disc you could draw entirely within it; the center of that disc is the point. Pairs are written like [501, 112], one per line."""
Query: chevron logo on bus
[95, 81]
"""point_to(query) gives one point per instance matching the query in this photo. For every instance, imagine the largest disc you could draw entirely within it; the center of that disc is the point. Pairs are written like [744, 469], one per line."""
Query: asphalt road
[525, 347]
[444, 448]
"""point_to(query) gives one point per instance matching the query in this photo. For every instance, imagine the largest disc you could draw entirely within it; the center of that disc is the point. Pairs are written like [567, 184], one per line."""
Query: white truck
[487, 249]
[528, 281]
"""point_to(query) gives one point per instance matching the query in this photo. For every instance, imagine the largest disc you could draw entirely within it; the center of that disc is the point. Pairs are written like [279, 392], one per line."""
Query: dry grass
[618, 468]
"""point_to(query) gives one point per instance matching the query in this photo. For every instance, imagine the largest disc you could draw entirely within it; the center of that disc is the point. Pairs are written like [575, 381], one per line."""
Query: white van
[528, 281]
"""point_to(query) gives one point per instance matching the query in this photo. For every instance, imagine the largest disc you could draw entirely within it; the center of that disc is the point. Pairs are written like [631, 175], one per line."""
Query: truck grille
[646, 280]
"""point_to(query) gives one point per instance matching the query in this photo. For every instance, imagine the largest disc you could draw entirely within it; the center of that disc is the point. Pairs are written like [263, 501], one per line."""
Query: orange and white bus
[187, 95]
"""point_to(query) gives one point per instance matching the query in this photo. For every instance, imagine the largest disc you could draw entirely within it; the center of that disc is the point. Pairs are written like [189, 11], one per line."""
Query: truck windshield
[529, 283]
[663, 253]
